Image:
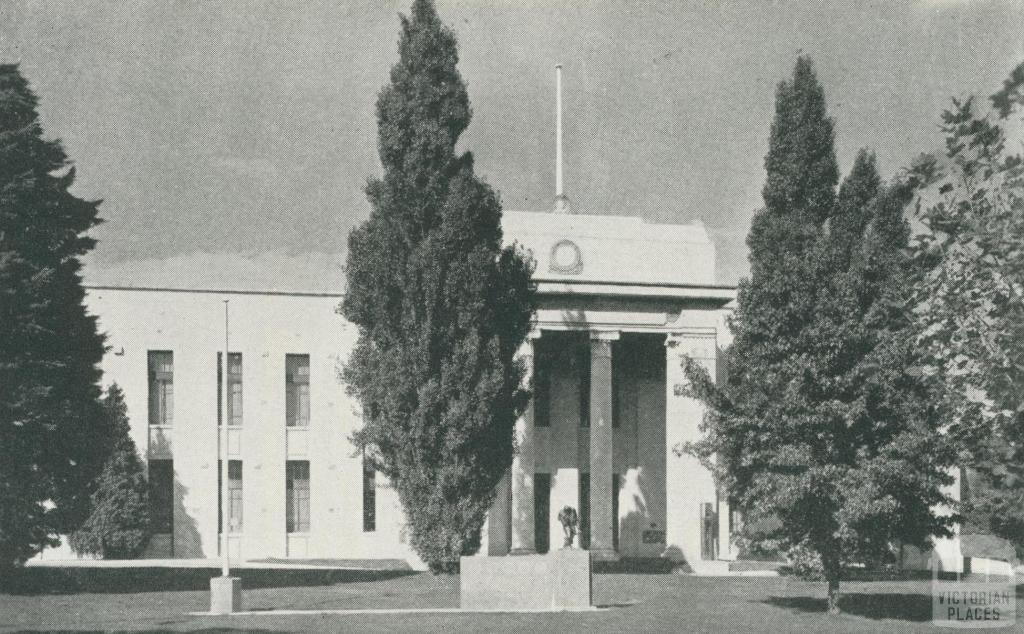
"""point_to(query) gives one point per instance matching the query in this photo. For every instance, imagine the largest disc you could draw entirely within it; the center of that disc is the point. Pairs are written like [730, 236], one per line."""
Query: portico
[621, 304]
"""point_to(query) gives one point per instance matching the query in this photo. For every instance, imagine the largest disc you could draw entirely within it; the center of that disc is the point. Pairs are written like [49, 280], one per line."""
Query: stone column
[688, 484]
[601, 546]
[523, 539]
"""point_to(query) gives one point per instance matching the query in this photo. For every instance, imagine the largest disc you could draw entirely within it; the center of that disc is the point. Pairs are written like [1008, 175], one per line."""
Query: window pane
[297, 390]
[234, 387]
[161, 387]
[302, 419]
[235, 404]
[234, 496]
[297, 496]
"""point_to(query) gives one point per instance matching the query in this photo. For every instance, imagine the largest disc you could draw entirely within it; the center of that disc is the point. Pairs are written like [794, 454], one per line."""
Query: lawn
[133, 599]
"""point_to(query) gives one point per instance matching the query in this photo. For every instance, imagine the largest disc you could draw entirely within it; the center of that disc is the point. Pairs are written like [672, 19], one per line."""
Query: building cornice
[160, 289]
[708, 292]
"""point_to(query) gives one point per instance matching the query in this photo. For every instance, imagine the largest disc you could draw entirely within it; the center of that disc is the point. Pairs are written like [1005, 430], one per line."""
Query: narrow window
[542, 388]
[297, 493]
[583, 367]
[541, 511]
[369, 496]
[584, 510]
[618, 382]
[234, 387]
[234, 496]
[616, 485]
[297, 390]
[161, 388]
[161, 496]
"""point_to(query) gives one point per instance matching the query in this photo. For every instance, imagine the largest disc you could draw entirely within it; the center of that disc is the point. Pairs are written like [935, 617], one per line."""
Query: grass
[99, 600]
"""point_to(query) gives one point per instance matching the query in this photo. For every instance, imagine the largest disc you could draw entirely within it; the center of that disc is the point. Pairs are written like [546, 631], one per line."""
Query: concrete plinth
[225, 595]
[557, 581]
[603, 554]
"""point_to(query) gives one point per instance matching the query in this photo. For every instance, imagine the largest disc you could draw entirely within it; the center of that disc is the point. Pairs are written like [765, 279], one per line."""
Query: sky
[230, 140]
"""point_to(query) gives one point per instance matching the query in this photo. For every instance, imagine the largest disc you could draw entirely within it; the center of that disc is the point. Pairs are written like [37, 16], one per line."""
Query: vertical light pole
[225, 590]
[225, 504]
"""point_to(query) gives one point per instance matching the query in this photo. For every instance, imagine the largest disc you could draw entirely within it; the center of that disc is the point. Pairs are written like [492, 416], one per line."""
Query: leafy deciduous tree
[970, 299]
[819, 431]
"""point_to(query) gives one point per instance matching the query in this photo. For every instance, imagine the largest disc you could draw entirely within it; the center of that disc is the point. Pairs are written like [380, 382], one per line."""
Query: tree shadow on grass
[896, 606]
[206, 630]
[74, 580]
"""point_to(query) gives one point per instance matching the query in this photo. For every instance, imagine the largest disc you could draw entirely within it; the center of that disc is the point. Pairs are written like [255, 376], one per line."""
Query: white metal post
[225, 503]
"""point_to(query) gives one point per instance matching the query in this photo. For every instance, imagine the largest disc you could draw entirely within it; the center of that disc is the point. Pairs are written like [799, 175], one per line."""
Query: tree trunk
[833, 595]
[833, 569]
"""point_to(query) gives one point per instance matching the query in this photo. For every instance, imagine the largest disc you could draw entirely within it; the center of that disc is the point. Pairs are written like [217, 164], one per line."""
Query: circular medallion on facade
[566, 258]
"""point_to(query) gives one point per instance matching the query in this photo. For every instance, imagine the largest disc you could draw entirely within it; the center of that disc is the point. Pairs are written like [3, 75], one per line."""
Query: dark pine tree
[118, 524]
[52, 440]
[819, 430]
[441, 306]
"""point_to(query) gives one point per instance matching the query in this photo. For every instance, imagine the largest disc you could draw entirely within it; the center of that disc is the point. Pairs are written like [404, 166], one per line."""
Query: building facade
[620, 302]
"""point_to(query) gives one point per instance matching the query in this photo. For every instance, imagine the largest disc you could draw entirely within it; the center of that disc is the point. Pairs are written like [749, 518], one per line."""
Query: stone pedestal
[225, 595]
[572, 570]
[560, 580]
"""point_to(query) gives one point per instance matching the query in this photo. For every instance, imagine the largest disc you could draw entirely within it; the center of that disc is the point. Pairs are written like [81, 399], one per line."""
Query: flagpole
[225, 505]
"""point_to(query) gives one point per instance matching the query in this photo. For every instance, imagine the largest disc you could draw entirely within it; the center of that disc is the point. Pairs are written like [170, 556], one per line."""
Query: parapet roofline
[168, 289]
[603, 226]
[547, 286]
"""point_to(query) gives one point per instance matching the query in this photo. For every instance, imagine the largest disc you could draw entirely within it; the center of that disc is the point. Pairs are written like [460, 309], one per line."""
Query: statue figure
[570, 519]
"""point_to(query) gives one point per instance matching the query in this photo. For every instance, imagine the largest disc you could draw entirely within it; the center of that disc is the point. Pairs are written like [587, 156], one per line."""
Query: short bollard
[225, 595]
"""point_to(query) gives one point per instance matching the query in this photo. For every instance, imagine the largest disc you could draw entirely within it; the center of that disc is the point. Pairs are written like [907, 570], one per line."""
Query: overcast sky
[230, 140]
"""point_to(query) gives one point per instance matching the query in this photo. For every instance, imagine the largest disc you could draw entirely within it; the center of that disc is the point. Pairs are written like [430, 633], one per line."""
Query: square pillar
[725, 549]
[688, 484]
[523, 538]
[601, 544]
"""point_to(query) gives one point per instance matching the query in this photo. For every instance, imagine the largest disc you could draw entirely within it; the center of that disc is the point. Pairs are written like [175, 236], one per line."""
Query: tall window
[234, 387]
[541, 386]
[161, 387]
[369, 496]
[585, 510]
[297, 494]
[616, 485]
[583, 367]
[161, 495]
[234, 496]
[542, 511]
[297, 390]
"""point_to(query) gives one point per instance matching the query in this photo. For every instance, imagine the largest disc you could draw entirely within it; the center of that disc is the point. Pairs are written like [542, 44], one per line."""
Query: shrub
[118, 525]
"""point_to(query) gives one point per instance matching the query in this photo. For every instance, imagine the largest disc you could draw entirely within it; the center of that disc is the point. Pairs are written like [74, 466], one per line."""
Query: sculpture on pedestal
[570, 519]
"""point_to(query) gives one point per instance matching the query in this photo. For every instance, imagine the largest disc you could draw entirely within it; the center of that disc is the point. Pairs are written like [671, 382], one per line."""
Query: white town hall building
[620, 302]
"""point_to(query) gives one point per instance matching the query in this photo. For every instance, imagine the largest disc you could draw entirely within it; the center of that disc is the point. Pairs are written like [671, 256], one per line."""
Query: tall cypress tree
[819, 429]
[52, 437]
[441, 306]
